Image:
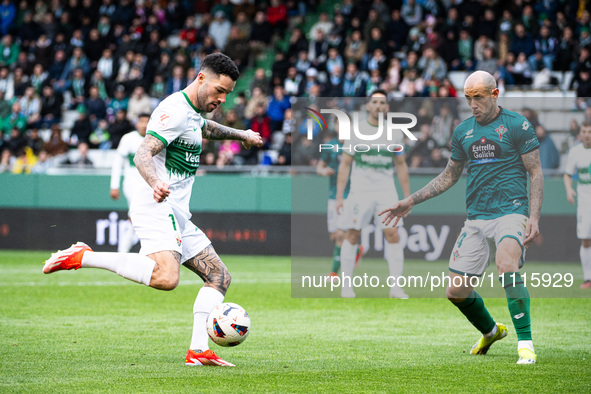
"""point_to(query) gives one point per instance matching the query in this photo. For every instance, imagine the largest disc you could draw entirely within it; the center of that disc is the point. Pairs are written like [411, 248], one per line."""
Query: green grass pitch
[89, 331]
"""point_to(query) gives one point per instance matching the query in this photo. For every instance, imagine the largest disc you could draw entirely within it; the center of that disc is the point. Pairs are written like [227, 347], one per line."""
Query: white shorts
[130, 185]
[476, 246]
[583, 221]
[334, 221]
[361, 208]
[166, 225]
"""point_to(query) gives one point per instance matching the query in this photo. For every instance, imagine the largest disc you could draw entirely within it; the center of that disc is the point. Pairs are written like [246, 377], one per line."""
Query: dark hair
[144, 115]
[220, 64]
[379, 91]
[586, 123]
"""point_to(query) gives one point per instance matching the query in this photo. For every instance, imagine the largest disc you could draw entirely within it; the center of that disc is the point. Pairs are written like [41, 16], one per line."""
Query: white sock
[395, 257]
[492, 333]
[525, 345]
[207, 299]
[131, 266]
[126, 240]
[585, 254]
[348, 253]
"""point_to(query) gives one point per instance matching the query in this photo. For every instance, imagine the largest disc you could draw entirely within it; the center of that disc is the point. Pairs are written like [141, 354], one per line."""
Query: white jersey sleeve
[178, 124]
[167, 122]
[116, 170]
[124, 156]
[571, 168]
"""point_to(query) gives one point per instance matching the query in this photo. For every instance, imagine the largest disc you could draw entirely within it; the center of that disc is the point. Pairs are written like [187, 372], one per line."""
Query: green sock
[518, 303]
[473, 308]
[336, 258]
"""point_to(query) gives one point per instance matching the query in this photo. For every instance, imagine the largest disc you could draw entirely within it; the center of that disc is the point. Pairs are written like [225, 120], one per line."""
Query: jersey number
[525, 125]
[173, 222]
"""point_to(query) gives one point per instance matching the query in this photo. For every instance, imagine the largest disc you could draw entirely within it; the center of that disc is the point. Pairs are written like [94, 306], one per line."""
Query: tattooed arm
[444, 181]
[214, 131]
[402, 173]
[531, 162]
[144, 162]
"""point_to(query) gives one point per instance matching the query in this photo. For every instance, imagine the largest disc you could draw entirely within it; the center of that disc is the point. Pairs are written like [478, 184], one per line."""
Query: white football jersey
[128, 145]
[579, 163]
[373, 167]
[177, 123]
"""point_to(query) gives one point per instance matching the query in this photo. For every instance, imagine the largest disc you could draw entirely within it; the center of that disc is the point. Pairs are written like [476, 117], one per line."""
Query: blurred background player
[372, 190]
[578, 166]
[132, 179]
[500, 147]
[328, 165]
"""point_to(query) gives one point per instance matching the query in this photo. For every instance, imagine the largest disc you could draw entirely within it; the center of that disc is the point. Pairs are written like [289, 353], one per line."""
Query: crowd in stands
[409, 47]
[108, 61]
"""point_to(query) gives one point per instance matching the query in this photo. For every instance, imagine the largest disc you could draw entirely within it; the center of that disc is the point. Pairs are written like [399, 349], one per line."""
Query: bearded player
[167, 159]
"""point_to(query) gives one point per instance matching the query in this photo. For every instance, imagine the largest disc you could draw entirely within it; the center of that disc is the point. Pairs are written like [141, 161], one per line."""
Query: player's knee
[164, 279]
[165, 275]
[164, 282]
[227, 280]
[219, 280]
[353, 237]
[391, 235]
[450, 293]
[456, 294]
[169, 283]
[506, 265]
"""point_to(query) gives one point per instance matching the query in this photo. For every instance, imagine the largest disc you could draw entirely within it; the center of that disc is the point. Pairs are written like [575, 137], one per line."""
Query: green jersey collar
[190, 103]
[492, 120]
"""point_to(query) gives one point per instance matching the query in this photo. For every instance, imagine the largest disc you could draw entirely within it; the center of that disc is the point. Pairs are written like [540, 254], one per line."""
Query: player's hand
[398, 211]
[340, 205]
[570, 195]
[161, 191]
[252, 139]
[115, 194]
[327, 171]
[532, 230]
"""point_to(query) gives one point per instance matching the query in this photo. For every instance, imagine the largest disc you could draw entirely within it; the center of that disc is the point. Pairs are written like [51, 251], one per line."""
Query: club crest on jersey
[500, 131]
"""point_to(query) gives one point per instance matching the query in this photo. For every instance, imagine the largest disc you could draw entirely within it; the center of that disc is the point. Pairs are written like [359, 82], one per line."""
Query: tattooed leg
[208, 265]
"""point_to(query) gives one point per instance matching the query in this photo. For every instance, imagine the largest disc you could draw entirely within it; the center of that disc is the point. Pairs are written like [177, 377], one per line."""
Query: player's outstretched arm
[116, 175]
[144, 162]
[531, 162]
[440, 184]
[322, 169]
[402, 173]
[568, 186]
[214, 131]
[342, 179]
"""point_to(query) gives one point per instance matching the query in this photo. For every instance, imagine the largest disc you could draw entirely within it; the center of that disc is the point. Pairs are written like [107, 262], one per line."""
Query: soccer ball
[228, 324]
